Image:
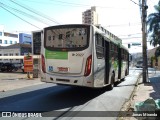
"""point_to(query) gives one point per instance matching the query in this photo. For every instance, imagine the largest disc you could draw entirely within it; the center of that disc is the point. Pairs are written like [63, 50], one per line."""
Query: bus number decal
[78, 54]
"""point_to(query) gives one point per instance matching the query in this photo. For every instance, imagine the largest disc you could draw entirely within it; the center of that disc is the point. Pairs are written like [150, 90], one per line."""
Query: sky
[121, 17]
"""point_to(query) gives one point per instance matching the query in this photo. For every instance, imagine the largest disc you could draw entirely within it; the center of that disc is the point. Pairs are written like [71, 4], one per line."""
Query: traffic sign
[136, 44]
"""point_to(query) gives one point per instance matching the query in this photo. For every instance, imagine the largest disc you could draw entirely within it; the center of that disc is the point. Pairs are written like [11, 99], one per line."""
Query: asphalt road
[47, 98]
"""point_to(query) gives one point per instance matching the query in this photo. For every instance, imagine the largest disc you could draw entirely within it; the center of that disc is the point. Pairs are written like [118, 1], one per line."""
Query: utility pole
[144, 35]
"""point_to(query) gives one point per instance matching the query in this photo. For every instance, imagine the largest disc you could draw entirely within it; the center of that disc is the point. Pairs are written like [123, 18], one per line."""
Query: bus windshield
[66, 37]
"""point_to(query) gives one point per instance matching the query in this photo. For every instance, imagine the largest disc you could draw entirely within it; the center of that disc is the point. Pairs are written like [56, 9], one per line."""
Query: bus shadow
[49, 99]
[126, 85]
[118, 84]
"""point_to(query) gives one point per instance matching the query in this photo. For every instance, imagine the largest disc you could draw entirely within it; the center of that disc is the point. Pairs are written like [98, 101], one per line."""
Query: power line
[19, 17]
[130, 34]
[73, 4]
[79, 4]
[120, 25]
[33, 11]
[131, 38]
[31, 15]
[51, 3]
[24, 13]
[135, 2]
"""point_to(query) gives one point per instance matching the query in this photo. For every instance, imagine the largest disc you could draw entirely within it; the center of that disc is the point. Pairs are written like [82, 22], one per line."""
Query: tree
[153, 23]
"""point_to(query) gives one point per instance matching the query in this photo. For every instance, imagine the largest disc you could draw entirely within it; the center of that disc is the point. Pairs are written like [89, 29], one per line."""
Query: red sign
[28, 63]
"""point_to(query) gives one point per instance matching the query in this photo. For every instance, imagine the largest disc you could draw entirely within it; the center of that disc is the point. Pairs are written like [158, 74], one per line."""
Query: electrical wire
[19, 17]
[135, 2]
[120, 25]
[24, 13]
[60, 1]
[33, 11]
[29, 15]
[73, 4]
[80, 4]
[131, 34]
[68, 3]
[130, 38]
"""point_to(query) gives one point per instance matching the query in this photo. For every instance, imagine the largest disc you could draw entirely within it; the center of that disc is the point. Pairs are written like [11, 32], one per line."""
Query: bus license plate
[63, 69]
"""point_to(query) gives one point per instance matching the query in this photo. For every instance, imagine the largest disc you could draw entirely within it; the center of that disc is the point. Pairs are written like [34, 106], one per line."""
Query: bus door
[107, 64]
[120, 63]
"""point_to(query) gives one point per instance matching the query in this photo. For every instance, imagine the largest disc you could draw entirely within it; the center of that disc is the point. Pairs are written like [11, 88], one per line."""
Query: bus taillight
[43, 64]
[88, 66]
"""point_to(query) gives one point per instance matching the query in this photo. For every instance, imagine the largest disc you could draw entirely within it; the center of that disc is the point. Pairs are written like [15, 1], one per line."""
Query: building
[7, 38]
[14, 50]
[90, 16]
[25, 38]
[14, 44]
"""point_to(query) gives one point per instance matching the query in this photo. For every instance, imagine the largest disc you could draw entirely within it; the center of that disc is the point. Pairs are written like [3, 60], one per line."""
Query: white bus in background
[82, 55]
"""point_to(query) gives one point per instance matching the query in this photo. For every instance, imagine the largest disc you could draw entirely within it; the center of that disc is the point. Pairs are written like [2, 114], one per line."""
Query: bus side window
[125, 54]
[99, 40]
[122, 54]
[116, 51]
[60, 36]
[112, 51]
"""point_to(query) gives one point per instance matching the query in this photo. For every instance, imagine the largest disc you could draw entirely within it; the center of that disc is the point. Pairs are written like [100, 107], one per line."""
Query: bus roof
[113, 39]
[101, 30]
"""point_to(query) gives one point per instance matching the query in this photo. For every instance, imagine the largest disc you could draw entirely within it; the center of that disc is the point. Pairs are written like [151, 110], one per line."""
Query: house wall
[154, 61]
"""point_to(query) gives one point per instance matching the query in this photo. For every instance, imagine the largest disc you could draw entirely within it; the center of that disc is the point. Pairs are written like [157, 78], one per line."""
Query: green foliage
[153, 58]
[153, 23]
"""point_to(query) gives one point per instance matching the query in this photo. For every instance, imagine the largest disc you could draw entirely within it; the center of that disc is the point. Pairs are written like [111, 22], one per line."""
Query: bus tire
[126, 72]
[123, 79]
[111, 86]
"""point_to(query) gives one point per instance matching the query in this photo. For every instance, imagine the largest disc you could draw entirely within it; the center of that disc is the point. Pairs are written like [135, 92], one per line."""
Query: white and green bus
[82, 55]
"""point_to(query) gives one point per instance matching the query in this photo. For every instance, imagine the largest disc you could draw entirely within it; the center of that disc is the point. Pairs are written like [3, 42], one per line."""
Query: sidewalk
[11, 82]
[143, 91]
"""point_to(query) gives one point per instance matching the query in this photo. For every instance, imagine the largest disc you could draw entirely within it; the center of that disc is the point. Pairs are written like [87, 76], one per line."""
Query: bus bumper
[70, 80]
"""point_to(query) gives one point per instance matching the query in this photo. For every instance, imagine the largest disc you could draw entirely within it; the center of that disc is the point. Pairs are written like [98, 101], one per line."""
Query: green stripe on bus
[56, 55]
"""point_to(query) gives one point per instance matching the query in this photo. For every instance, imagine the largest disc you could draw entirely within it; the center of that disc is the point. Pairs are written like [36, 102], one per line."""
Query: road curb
[127, 106]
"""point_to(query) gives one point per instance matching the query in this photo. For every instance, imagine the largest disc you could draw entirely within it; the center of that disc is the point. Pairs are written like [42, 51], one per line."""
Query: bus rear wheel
[126, 72]
[111, 86]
